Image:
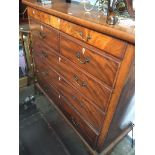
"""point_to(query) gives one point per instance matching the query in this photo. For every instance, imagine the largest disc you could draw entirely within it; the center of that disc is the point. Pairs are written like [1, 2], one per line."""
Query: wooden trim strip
[121, 80]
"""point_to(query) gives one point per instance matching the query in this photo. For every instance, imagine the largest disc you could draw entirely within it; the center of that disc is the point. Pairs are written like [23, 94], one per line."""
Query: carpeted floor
[43, 131]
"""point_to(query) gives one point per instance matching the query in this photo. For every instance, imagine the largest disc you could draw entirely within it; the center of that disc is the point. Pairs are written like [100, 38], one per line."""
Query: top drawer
[44, 17]
[110, 45]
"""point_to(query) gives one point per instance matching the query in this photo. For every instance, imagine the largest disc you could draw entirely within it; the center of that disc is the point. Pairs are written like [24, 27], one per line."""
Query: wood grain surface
[45, 34]
[94, 38]
[94, 20]
[44, 17]
[92, 89]
[83, 64]
[100, 66]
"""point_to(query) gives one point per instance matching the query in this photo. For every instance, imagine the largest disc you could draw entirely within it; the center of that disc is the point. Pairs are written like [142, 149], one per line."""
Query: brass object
[113, 6]
[46, 90]
[45, 73]
[82, 59]
[42, 35]
[79, 82]
[44, 54]
[75, 98]
[112, 19]
[121, 6]
[74, 122]
[81, 33]
[87, 38]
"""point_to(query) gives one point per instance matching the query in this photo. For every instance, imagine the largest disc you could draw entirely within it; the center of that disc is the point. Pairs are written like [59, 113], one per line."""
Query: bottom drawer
[88, 134]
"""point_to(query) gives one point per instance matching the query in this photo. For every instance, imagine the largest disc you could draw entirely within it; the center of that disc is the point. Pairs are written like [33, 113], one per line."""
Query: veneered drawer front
[44, 17]
[87, 133]
[97, 64]
[45, 34]
[44, 84]
[46, 55]
[44, 71]
[50, 90]
[88, 111]
[90, 88]
[111, 45]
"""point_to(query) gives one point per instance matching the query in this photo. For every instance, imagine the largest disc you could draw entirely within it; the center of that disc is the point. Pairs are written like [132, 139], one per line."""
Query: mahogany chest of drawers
[87, 73]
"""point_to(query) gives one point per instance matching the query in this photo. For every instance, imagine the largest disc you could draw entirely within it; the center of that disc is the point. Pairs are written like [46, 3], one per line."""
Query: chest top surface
[94, 20]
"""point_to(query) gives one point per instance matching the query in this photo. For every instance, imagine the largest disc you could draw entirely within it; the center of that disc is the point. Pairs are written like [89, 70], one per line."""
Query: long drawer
[45, 34]
[95, 39]
[89, 135]
[89, 87]
[44, 17]
[93, 61]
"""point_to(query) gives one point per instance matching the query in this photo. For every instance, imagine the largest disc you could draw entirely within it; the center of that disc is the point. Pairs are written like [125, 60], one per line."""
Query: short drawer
[45, 34]
[44, 17]
[89, 87]
[93, 61]
[46, 55]
[88, 111]
[110, 45]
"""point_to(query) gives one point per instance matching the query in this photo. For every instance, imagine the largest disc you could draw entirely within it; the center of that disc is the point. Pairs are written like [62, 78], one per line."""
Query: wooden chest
[87, 73]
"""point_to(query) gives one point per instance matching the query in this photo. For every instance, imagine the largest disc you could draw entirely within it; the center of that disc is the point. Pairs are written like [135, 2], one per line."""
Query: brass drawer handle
[44, 73]
[79, 82]
[46, 89]
[75, 98]
[74, 122]
[82, 59]
[37, 71]
[44, 54]
[88, 37]
[42, 35]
